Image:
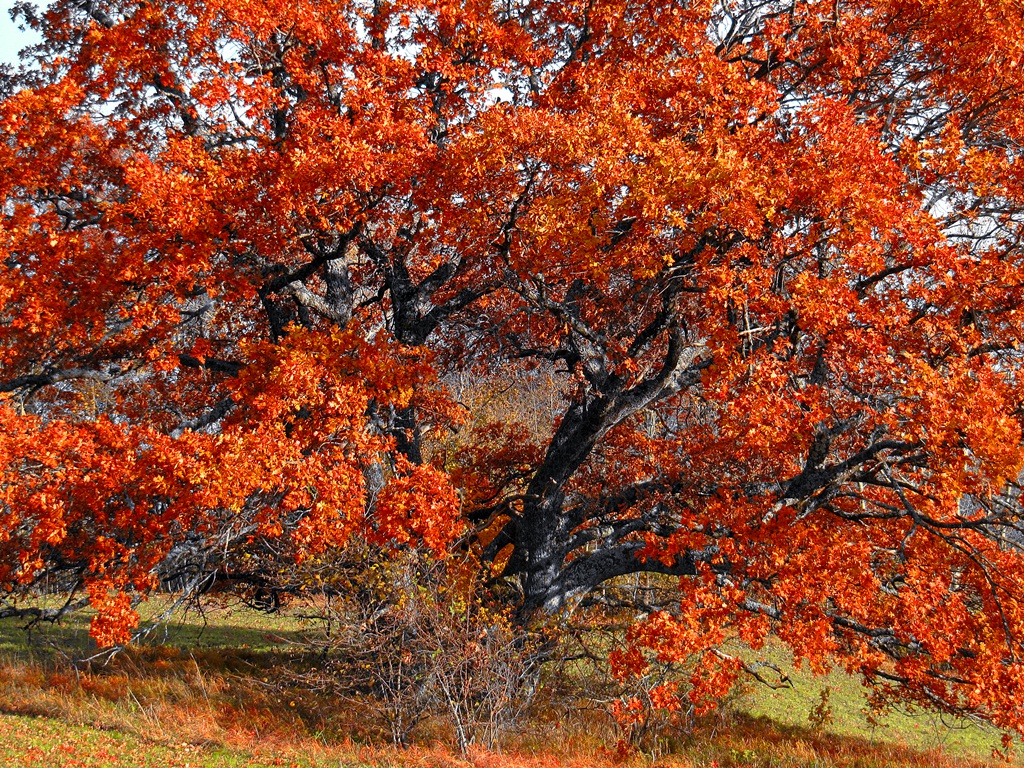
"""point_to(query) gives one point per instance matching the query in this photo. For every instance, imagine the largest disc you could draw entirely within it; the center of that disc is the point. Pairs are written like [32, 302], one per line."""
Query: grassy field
[851, 716]
[200, 691]
[46, 742]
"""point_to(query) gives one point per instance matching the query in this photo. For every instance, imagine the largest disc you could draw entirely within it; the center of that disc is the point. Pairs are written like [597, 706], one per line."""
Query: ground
[201, 691]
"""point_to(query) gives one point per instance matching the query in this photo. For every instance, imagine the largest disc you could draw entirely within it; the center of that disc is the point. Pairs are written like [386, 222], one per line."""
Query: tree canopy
[761, 260]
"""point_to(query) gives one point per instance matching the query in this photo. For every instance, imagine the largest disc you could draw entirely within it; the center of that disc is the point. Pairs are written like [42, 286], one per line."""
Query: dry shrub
[413, 638]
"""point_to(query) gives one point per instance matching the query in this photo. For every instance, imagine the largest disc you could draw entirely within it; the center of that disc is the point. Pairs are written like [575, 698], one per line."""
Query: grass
[851, 717]
[44, 742]
[217, 625]
[201, 692]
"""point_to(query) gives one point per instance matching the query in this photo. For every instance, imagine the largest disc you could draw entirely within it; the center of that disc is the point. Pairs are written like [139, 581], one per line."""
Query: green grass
[851, 715]
[218, 625]
[40, 742]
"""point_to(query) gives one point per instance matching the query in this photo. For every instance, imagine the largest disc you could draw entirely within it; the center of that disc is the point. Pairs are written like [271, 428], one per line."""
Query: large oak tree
[766, 253]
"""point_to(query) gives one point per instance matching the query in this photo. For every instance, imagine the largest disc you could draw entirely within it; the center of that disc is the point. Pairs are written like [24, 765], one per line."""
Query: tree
[769, 251]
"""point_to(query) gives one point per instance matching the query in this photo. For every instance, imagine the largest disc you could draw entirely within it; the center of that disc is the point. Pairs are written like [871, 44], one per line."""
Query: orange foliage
[770, 252]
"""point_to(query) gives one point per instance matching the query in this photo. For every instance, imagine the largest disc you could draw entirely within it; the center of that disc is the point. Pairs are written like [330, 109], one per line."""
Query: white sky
[12, 39]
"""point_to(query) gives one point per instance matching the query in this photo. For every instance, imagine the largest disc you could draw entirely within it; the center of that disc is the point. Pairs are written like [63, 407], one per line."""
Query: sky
[12, 39]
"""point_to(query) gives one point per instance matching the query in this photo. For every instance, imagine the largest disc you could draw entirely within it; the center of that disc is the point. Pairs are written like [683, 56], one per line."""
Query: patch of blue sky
[12, 37]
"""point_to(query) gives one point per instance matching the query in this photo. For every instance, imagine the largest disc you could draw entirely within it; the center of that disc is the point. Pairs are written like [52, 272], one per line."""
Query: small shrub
[414, 638]
[821, 714]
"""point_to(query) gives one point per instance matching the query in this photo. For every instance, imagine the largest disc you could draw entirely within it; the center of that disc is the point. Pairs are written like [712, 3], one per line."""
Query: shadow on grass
[219, 626]
[762, 741]
[850, 715]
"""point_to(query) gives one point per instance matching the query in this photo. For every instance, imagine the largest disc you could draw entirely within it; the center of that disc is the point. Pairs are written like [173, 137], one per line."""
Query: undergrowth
[168, 706]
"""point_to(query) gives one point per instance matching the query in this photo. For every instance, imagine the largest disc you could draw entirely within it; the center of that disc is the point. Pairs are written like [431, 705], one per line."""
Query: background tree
[771, 250]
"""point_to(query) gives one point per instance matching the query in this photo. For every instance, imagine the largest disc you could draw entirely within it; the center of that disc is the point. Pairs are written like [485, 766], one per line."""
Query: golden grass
[168, 703]
[217, 704]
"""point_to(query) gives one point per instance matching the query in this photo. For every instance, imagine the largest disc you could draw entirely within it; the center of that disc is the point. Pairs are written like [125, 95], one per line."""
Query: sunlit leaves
[757, 272]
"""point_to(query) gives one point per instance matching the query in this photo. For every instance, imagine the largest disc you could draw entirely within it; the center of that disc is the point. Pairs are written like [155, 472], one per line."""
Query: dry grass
[220, 706]
[168, 704]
